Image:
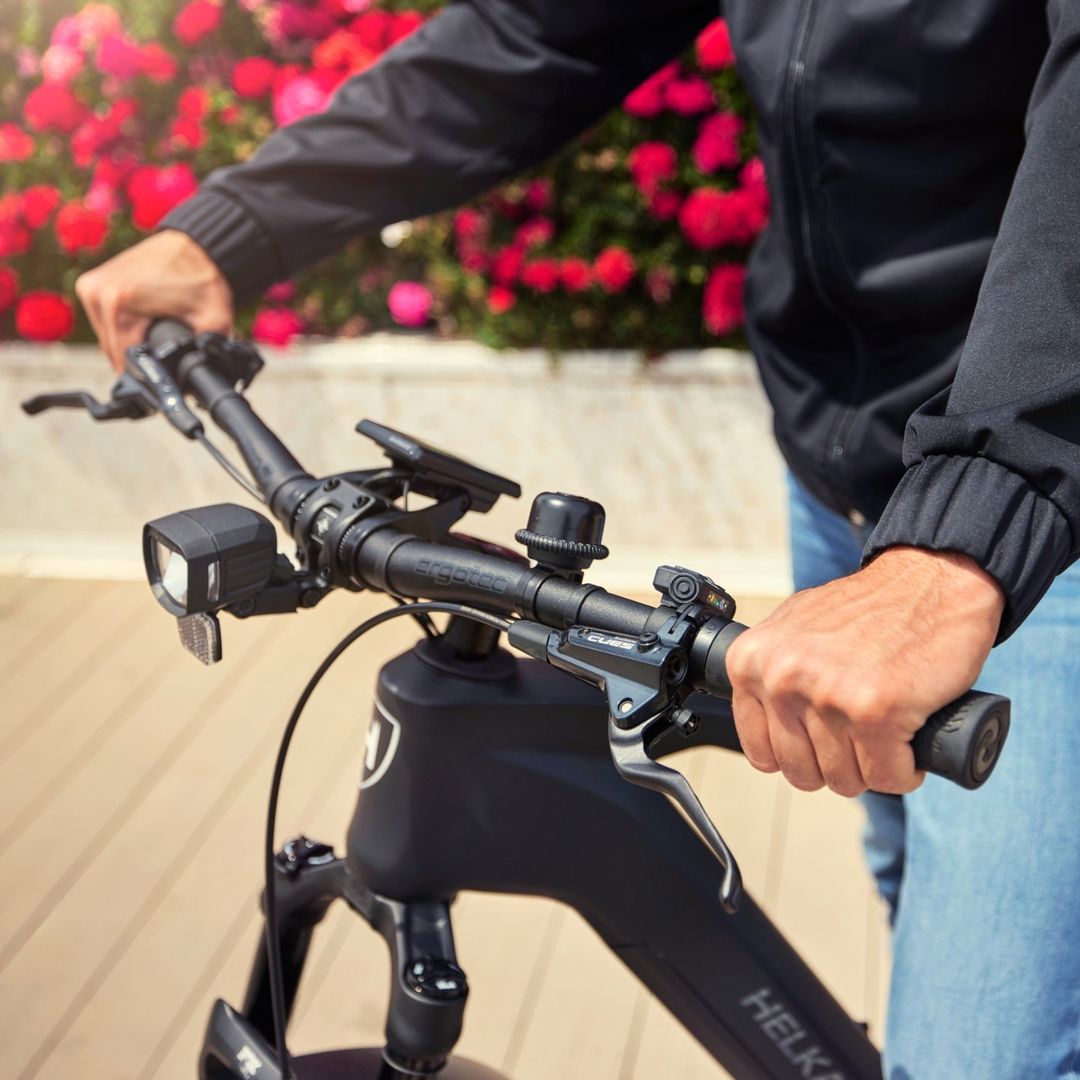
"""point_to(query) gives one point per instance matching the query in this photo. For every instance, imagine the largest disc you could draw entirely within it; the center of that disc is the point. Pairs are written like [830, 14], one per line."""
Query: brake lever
[644, 680]
[633, 763]
[129, 400]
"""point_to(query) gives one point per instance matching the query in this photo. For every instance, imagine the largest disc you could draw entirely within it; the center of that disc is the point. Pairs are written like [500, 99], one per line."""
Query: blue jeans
[984, 886]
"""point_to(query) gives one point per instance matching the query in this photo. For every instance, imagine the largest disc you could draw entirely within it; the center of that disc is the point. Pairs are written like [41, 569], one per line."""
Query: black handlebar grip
[165, 331]
[961, 742]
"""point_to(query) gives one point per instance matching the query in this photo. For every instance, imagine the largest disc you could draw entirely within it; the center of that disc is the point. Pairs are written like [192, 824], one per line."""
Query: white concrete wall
[679, 450]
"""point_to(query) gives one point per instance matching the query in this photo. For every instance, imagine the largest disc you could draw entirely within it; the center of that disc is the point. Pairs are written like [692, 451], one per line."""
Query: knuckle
[783, 673]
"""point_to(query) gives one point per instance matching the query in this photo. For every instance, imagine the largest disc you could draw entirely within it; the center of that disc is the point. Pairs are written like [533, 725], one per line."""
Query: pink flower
[752, 176]
[660, 284]
[410, 303]
[102, 199]
[541, 275]
[290, 21]
[281, 293]
[710, 218]
[664, 205]
[648, 99]
[470, 227]
[196, 20]
[118, 55]
[299, 97]
[187, 134]
[576, 274]
[614, 269]
[714, 47]
[717, 142]
[61, 63]
[506, 265]
[652, 164]
[500, 300]
[51, 107]
[38, 204]
[79, 228]
[44, 316]
[276, 326]
[193, 103]
[9, 287]
[722, 303]
[157, 63]
[67, 32]
[535, 233]
[254, 77]
[538, 194]
[15, 144]
[689, 96]
[154, 192]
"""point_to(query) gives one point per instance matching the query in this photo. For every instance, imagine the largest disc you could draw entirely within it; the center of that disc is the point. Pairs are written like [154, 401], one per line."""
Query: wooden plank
[50, 619]
[177, 711]
[15, 593]
[824, 892]
[218, 889]
[506, 944]
[72, 722]
[582, 1020]
[146, 837]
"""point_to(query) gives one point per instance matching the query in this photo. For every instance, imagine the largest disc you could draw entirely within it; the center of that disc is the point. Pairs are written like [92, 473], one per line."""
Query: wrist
[965, 585]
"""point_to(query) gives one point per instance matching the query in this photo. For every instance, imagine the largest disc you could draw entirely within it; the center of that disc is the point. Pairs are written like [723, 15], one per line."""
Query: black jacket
[922, 266]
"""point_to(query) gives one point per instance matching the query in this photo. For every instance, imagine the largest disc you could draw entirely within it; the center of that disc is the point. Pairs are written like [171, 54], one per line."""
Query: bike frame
[495, 774]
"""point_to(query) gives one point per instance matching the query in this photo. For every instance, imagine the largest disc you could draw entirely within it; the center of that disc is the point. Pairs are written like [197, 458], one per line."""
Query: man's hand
[832, 686]
[165, 276]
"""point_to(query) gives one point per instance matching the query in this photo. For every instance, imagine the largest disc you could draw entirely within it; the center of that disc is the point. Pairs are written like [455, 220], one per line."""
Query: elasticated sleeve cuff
[234, 238]
[979, 508]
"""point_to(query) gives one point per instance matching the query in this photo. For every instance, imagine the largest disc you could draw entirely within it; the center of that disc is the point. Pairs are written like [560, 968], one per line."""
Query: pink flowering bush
[113, 110]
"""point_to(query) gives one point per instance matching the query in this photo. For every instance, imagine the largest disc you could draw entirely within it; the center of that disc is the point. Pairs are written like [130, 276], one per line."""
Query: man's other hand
[165, 276]
[832, 686]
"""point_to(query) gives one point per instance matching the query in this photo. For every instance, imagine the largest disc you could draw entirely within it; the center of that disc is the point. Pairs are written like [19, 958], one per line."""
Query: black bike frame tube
[506, 785]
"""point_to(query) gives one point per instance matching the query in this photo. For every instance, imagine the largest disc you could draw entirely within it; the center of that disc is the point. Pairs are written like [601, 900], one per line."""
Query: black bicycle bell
[564, 532]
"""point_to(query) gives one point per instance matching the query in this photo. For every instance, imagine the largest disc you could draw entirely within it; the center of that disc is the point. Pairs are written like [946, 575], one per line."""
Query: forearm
[483, 90]
[994, 463]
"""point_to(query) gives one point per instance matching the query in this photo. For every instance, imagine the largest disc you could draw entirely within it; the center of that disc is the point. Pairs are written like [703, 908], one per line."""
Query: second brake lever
[129, 400]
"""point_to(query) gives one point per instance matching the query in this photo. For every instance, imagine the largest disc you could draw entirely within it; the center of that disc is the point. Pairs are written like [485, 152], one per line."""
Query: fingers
[888, 766]
[836, 755]
[753, 728]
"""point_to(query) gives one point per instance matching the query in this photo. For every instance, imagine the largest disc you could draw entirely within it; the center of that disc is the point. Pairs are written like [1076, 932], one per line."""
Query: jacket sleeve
[484, 89]
[993, 463]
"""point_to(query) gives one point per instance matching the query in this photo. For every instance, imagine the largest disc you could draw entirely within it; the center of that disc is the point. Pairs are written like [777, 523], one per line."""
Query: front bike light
[200, 561]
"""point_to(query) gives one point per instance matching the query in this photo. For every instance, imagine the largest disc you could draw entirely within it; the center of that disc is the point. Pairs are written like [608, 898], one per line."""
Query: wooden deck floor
[132, 792]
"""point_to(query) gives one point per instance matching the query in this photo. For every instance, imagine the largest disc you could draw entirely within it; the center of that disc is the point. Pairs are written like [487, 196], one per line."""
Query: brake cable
[273, 945]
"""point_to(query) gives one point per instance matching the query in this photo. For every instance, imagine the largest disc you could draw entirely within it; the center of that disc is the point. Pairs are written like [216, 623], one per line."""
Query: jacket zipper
[800, 154]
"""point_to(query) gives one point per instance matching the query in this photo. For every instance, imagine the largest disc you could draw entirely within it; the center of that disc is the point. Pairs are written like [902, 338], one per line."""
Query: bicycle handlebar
[960, 742]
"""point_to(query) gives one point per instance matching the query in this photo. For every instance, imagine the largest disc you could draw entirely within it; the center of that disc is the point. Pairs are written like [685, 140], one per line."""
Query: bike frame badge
[383, 737]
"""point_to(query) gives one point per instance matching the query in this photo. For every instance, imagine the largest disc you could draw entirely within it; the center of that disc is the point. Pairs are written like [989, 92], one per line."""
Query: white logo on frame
[381, 745]
[248, 1061]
